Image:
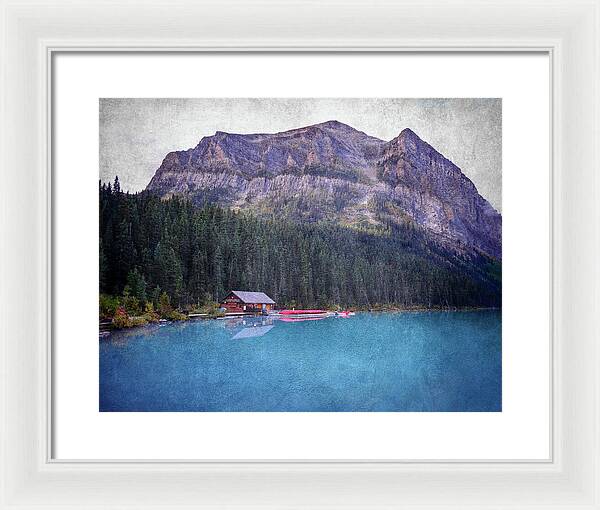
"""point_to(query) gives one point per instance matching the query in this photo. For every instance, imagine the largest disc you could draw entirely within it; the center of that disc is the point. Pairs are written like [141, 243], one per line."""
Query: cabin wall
[233, 304]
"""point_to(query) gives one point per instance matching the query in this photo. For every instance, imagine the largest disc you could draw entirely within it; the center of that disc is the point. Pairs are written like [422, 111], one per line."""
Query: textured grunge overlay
[136, 134]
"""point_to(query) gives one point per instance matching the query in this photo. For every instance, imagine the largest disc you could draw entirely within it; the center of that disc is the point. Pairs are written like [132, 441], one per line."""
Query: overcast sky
[136, 134]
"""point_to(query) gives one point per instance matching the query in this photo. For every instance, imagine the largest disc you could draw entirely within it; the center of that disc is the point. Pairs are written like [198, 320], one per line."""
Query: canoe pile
[297, 314]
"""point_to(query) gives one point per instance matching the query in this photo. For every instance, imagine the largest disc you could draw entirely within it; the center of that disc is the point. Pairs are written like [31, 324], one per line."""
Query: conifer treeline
[196, 255]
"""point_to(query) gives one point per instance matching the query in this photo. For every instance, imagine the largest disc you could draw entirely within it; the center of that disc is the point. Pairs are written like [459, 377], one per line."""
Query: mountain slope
[331, 172]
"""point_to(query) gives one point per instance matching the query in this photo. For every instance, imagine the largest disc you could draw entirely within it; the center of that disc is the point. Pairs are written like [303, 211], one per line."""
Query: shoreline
[108, 327]
[430, 309]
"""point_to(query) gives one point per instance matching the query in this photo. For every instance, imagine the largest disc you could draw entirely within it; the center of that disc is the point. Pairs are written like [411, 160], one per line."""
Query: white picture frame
[568, 31]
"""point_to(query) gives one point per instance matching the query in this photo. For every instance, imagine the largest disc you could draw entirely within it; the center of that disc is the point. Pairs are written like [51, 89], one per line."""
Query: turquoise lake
[405, 361]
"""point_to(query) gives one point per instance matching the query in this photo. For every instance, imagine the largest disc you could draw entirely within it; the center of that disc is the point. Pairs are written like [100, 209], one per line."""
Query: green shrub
[108, 306]
[164, 305]
[131, 303]
[137, 321]
[121, 319]
[175, 315]
[150, 314]
[210, 308]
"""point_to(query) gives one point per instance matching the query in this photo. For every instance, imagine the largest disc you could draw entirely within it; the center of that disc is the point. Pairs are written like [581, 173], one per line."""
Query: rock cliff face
[332, 172]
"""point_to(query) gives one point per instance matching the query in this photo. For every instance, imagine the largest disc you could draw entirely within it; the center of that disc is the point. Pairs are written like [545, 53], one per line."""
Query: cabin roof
[253, 297]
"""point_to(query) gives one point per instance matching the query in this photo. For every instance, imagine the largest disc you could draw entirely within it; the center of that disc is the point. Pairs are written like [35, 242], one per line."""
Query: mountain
[333, 173]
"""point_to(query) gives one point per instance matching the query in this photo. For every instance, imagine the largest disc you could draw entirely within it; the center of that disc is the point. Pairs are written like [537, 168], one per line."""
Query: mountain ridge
[333, 172]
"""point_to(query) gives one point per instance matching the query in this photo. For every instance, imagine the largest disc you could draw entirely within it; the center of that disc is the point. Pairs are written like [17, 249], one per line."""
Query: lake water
[412, 361]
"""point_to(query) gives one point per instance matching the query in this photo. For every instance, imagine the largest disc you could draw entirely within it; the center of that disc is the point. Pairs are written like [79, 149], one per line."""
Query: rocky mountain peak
[408, 134]
[333, 172]
[334, 124]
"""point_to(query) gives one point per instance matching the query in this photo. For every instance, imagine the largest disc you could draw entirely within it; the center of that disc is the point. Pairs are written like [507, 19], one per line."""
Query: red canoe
[300, 312]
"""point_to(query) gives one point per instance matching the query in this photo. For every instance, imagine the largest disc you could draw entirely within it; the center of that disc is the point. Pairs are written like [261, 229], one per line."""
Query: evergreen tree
[193, 255]
[102, 267]
[137, 285]
[117, 185]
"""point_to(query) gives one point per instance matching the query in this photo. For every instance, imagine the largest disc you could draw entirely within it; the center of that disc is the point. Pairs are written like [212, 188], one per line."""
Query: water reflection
[251, 326]
[301, 319]
[236, 327]
[253, 332]
[259, 326]
[121, 337]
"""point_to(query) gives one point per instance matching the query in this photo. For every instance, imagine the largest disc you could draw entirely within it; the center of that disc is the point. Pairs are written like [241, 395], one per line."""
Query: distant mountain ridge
[331, 172]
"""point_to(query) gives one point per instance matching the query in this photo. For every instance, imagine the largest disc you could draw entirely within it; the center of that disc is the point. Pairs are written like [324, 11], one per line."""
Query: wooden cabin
[243, 301]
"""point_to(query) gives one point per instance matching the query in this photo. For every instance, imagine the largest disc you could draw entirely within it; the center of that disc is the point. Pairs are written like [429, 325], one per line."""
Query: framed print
[252, 252]
[311, 217]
